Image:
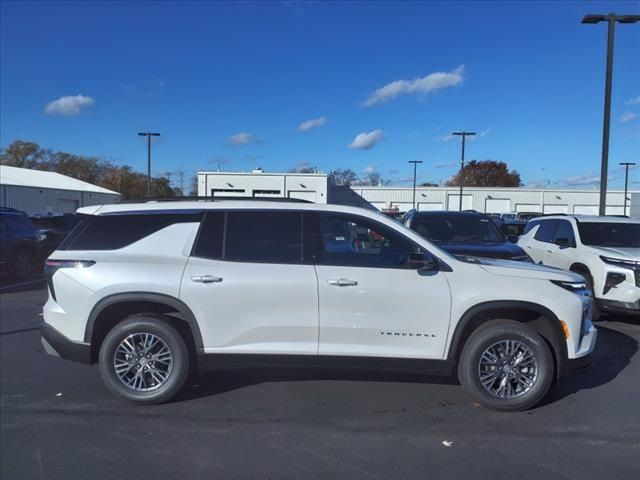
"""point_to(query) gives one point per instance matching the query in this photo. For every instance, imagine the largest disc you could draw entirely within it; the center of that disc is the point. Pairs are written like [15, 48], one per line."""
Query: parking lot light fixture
[148, 135]
[464, 135]
[611, 20]
[415, 166]
[626, 166]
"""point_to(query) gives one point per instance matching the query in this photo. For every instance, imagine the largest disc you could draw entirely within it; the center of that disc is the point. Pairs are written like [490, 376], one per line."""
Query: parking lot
[59, 421]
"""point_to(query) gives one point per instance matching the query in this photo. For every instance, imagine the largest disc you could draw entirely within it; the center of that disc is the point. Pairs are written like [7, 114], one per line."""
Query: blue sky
[231, 83]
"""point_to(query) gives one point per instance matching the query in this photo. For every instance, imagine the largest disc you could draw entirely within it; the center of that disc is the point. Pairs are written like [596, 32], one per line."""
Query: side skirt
[222, 361]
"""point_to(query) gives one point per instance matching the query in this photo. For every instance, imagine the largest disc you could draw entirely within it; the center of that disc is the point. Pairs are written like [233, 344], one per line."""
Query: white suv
[152, 291]
[604, 250]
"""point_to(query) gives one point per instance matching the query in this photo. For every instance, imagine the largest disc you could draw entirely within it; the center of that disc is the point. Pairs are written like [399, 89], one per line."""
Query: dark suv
[465, 234]
[18, 243]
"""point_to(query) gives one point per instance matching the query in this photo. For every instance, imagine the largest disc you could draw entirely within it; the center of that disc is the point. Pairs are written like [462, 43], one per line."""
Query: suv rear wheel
[506, 366]
[144, 359]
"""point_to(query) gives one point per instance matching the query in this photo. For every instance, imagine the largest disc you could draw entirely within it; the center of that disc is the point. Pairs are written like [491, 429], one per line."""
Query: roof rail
[211, 199]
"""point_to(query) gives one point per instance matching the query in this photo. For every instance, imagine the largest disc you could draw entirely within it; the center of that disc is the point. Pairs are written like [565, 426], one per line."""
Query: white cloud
[448, 137]
[445, 165]
[368, 170]
[628, 117]
[311, 124]
[633, 101]
[581, 180]
[421, 85]
[243, 138]
[535, 184]
[68, 105]
[367, 140]
[485, 132]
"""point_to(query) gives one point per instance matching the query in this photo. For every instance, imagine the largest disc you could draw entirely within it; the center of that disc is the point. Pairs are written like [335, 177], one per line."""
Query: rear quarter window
[111, 232]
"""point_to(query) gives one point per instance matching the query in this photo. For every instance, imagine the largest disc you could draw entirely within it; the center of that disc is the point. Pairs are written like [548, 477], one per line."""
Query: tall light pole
[611, 19]
[626, 166]
[415, 167]
[148, 135]
[464, 135]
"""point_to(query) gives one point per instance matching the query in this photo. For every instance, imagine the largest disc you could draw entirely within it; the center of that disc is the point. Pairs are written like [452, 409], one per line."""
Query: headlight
[579, 288]
[618, 262]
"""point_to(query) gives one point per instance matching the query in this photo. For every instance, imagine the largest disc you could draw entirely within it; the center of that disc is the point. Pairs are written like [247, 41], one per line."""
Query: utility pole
[148, 135]
[181, 176]
[464, 135]
[415, 167]
[626, 166]
[611, 20]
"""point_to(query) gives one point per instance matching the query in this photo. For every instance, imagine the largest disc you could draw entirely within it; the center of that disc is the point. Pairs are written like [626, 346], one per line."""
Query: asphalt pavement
[58, 421]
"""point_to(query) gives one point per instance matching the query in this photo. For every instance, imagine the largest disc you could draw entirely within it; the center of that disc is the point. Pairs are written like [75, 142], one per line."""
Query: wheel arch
[114, 308]
[543, 320]
[578, 267]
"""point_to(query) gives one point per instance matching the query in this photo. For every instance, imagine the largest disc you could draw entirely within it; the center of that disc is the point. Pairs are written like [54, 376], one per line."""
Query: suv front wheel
[506, 366]
[144, 359]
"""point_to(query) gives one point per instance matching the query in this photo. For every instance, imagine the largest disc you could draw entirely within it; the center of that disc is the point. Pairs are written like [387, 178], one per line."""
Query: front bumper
[56, 344]
[615, 306]
[575, 365]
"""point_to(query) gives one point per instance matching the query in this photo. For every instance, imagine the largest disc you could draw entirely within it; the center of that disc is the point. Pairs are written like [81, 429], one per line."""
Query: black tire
[176, 371]
[22, 264]
[491, 334]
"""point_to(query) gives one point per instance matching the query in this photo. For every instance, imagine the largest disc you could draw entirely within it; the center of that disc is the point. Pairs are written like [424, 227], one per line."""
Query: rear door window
[263, 236]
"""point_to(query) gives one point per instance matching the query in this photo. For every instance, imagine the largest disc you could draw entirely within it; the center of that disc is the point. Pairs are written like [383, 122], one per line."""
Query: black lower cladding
[63, 346]
[217, 361]
[574, 365]
[630, 308]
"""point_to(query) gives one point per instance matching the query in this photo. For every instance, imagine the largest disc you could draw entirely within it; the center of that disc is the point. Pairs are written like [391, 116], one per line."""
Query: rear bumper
[56, 344]
[615, 306]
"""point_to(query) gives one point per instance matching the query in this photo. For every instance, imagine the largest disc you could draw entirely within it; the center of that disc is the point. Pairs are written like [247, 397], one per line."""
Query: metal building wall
[311, 187]
[33, 200]
[482, 199]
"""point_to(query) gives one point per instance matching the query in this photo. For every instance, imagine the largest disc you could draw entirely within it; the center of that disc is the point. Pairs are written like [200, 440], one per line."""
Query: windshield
[601, 234]
[457, 229]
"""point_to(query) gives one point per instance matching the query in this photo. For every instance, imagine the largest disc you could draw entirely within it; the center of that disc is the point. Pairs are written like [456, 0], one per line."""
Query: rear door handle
[342, 282]
[206, 279]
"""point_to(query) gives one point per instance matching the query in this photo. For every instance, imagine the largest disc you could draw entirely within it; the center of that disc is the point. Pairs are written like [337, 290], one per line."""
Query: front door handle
[206, 279]
[342, 282]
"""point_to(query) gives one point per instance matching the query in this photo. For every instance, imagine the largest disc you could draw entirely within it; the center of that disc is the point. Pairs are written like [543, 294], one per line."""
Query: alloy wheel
[508, 369]
[143, 362]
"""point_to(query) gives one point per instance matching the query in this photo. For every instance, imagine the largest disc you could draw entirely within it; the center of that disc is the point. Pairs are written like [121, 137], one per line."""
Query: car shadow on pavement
[220, 381]
[613, 353]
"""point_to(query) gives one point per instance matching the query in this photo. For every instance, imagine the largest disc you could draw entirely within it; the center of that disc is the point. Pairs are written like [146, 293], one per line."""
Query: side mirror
[421, 262]
[564, 242]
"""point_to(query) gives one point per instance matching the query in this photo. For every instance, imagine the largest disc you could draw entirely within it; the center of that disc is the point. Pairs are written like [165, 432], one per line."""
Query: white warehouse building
[322, 188]
[41, 192]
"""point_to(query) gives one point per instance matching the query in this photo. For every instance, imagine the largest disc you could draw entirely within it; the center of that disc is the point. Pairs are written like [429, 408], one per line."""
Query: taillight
[51, 266]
